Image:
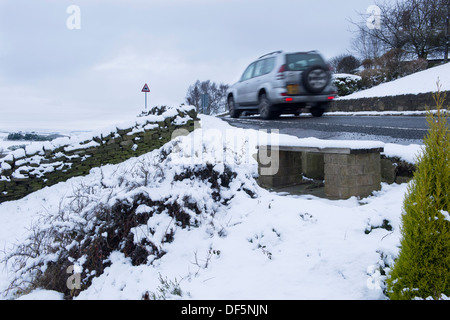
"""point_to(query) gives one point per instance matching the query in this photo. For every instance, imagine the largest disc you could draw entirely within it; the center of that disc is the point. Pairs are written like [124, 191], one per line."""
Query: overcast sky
[51, 76]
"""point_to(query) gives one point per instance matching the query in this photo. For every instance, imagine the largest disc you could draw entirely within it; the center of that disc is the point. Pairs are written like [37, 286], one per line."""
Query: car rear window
[302, 61]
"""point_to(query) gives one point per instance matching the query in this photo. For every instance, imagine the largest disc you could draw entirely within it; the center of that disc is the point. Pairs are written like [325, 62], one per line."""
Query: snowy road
[389, 129]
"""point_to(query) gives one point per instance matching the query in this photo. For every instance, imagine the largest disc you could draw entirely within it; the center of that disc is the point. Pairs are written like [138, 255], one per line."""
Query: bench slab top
[327, 146]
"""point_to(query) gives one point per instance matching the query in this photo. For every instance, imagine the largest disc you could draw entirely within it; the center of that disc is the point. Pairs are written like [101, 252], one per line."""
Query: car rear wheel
[265, 111]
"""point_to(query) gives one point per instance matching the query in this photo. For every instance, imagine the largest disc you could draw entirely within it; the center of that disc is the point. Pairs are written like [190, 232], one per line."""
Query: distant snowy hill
[420, 82]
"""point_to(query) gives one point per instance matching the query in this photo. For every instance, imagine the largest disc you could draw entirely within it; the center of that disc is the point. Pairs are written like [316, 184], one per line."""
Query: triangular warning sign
[145, 88]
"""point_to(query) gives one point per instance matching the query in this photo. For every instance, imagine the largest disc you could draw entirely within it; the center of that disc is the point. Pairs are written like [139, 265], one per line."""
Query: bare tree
[333, 62]
[345, 63]
[447, 32]
[418, 27]
[216, 101]
[424, 26]
[348, 64]
[194, 95]
[367, 47]
[390, 66]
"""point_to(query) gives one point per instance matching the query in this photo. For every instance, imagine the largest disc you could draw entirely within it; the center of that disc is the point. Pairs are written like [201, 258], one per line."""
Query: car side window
[259, 68]
[268, 67]
[248, 73]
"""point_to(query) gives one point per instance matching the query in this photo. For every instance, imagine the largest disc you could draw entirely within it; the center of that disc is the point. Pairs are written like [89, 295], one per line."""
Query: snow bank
[420, 82]
[248, 243]
[408, 153]
[346, 76]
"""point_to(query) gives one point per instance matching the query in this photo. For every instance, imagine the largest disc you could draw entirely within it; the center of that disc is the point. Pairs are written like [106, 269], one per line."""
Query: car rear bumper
[282, 98]
[303, 99]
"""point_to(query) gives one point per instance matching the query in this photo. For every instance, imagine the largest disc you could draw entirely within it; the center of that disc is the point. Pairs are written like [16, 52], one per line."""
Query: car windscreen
[302, 61]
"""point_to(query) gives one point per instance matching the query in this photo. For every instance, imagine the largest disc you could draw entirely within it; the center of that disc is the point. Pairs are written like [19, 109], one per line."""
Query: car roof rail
[307, 52]
[268, 54]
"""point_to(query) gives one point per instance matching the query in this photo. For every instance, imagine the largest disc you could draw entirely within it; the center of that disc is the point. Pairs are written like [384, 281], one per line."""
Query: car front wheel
[317, 112]
[234, 113]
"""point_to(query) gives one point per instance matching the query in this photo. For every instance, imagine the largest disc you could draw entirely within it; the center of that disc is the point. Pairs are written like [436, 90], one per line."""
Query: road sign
[145, 88]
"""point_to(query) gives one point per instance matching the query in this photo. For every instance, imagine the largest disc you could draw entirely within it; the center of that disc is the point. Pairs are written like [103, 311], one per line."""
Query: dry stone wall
[27, 170]
[401, 103]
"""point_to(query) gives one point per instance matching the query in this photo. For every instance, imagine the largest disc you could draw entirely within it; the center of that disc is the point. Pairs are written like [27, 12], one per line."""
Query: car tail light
[280, 74]
[289, 99]
[331, 98]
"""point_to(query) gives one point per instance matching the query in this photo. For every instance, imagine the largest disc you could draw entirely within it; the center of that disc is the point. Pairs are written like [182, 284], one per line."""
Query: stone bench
[347, 171]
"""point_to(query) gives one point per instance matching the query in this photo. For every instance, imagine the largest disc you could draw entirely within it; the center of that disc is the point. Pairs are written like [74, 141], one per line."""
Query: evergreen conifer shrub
[422, 269]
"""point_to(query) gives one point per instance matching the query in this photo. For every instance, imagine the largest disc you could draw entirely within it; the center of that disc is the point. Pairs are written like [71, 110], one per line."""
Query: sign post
[204, 102]
[145, 89]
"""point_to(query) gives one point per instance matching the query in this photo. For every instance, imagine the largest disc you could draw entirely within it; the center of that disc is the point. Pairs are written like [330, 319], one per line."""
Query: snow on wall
[419, 82]
[410, 93]
[38, 165]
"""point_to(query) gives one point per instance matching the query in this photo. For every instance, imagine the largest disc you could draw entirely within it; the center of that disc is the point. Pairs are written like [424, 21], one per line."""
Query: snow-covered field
[420, 82]
[255, 245]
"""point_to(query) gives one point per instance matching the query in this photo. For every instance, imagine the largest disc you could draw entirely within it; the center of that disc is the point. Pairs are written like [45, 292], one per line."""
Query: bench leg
[288, 169]
[352, 175]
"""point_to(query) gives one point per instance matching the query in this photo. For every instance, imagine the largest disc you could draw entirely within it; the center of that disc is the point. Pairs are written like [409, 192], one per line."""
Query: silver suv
[283, 83]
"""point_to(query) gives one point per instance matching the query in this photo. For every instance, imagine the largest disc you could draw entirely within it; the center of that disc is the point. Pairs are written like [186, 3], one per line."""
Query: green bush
[347, 84]
[422, 269]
